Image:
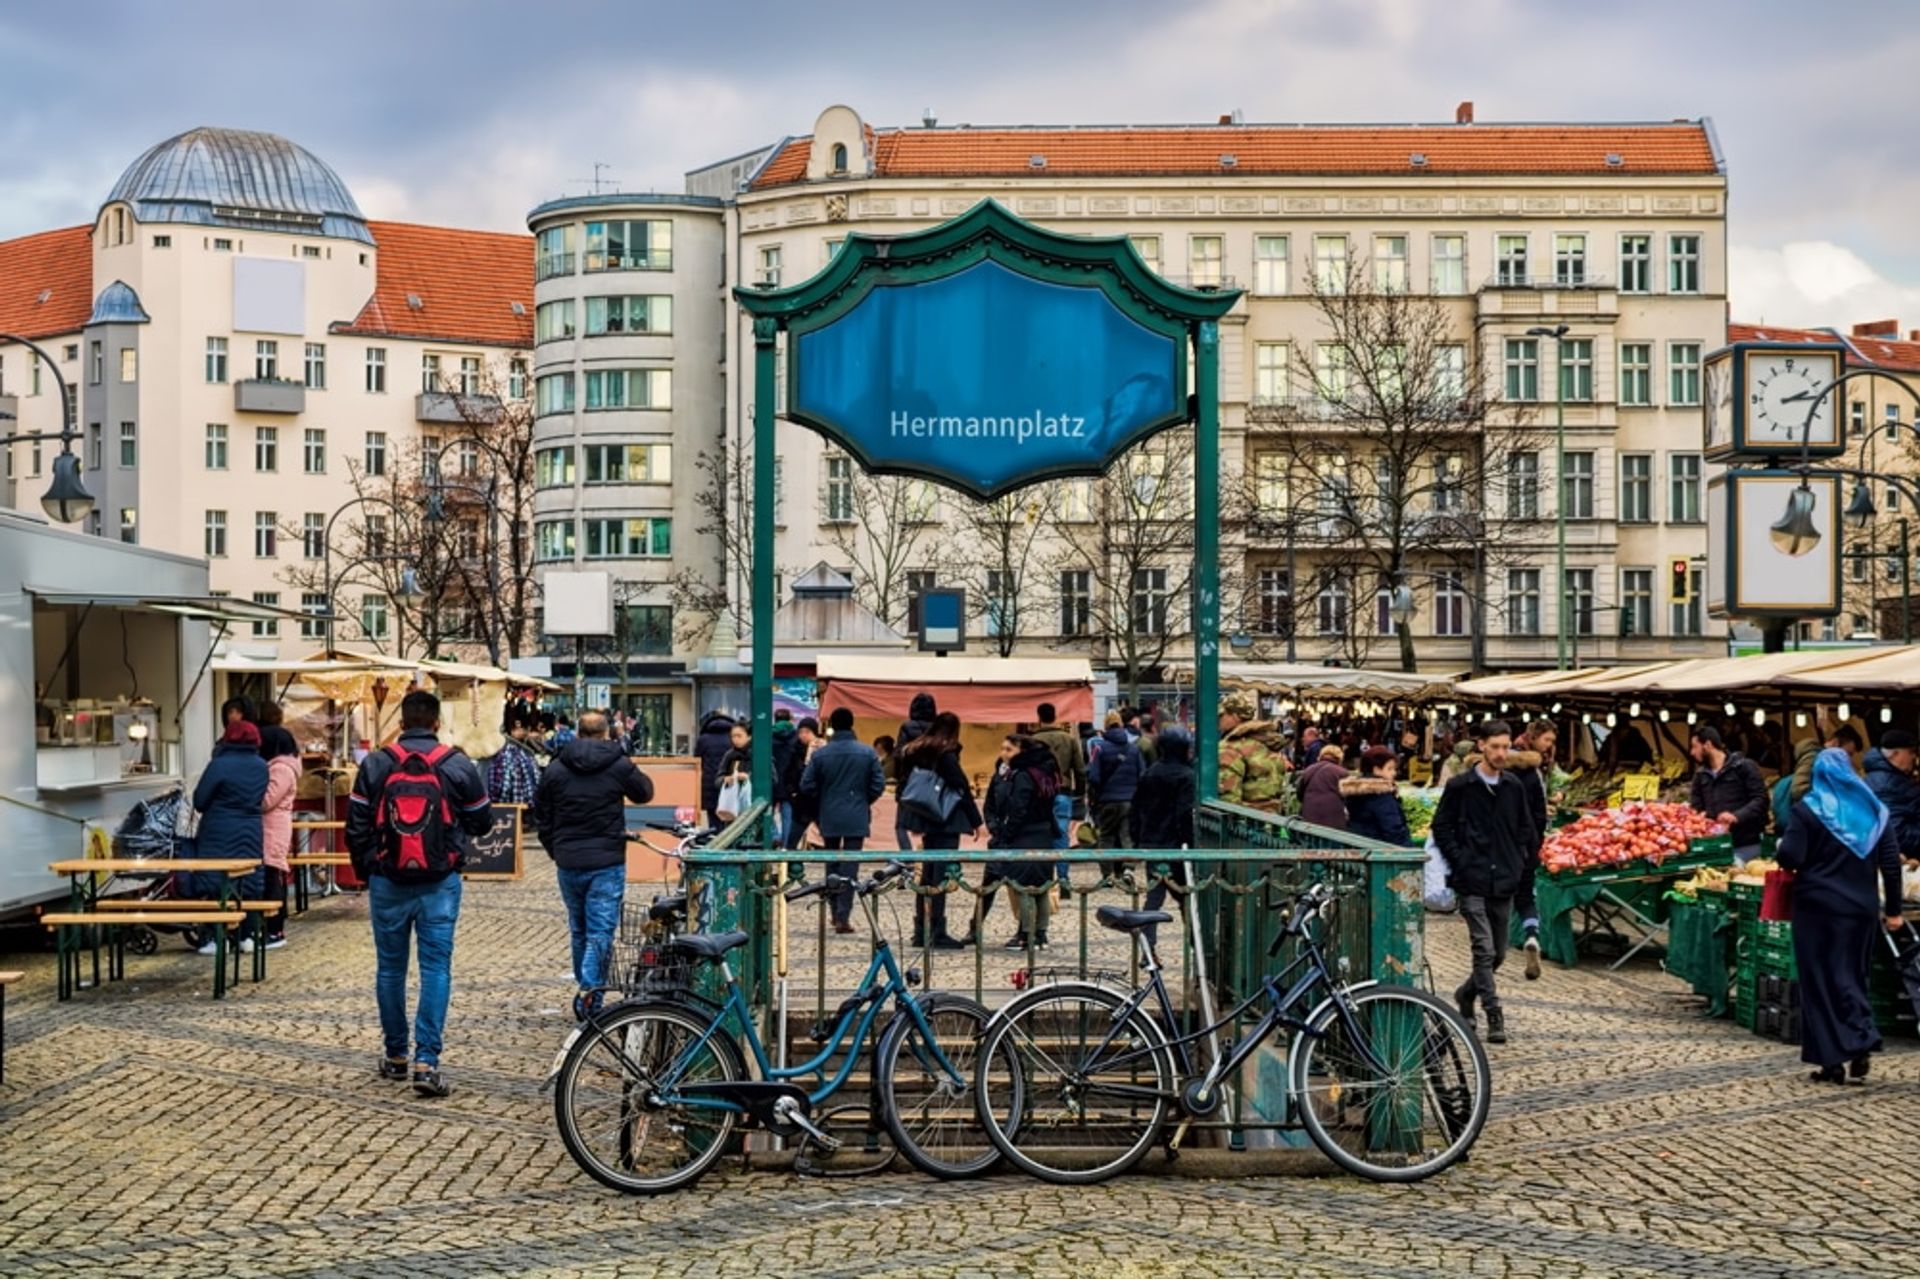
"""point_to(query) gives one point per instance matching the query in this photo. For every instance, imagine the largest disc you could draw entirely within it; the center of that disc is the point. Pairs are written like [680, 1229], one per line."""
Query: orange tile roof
[466, 282]
[1682, 147]
[56, 266]
[1862, 351]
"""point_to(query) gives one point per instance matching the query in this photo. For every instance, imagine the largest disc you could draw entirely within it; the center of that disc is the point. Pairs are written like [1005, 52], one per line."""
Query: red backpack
[414, 817]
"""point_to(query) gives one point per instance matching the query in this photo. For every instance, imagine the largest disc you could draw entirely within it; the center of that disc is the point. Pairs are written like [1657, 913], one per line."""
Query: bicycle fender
[1293, 1051]
[1001, 1013]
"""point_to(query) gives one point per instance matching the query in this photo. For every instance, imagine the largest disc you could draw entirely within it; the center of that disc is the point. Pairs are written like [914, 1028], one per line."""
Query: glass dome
[236, 178]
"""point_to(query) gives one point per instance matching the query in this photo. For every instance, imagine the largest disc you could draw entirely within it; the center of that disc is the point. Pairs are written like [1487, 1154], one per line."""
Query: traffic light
[1682, 580]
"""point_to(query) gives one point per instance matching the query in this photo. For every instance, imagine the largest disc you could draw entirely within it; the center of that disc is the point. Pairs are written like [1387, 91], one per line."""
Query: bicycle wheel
[1399, 1094]
[610, 1113]
[933, 1119]
[1072, 1091]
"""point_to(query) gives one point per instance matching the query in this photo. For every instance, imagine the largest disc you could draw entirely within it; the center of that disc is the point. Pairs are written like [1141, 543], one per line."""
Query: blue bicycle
[650, 1092]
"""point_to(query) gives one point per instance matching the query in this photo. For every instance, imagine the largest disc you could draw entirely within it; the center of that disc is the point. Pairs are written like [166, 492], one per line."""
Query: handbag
[1435, 892]
[927, 797]
[1776, 898]
[736, 796]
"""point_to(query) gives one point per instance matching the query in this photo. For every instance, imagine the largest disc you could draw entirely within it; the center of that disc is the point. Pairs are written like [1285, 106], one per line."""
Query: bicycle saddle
[707, 945]
[1130, 921]
[663, 907]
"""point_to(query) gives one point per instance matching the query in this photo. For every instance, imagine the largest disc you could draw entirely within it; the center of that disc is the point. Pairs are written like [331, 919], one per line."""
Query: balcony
[269, 395]
[1352, 410]
[455, 408]
[548, 265]
[1544, 296]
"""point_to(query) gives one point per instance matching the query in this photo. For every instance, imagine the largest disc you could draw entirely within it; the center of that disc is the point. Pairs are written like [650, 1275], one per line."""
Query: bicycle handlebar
[1307, 906]
[833, 883]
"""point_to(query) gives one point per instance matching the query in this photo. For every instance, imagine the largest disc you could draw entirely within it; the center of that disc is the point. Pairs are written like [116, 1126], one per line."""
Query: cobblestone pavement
[146, 1130]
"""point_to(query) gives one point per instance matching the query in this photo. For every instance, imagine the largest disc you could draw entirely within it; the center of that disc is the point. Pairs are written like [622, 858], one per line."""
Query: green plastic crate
[1743, 1010]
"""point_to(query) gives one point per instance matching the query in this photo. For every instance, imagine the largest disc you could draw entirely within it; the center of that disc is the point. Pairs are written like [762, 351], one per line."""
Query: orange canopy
[980, 690]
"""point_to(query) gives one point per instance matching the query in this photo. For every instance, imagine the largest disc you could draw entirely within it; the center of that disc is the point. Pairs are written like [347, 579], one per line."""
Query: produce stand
[1608, 900]
[1700, 935]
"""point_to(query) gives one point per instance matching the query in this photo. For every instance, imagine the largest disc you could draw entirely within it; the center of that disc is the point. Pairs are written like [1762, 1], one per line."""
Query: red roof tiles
[1874, 352]
[466, 283]
[1682, 147]
[56, 266]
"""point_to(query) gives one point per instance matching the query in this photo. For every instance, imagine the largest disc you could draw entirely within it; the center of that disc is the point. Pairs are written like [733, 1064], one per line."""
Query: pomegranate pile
[1630, 833]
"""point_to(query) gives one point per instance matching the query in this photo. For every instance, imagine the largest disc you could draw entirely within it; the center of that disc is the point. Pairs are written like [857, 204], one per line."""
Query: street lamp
[1794, 533]
[1558, 333]
[66, 500]
[1860, 511]
[409, 594]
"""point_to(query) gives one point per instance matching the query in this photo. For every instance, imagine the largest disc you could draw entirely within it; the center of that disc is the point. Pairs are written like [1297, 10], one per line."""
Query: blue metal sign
[987, 379]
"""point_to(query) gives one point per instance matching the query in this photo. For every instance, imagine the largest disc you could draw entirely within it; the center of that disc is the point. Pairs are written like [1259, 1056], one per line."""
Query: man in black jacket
[1161, 815]
[1727, 787]
[844, 777]
[580, 809]
[711, 747]
[1485, 829]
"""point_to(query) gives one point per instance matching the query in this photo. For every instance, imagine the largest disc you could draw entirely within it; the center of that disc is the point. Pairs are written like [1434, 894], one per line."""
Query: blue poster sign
[986, 379]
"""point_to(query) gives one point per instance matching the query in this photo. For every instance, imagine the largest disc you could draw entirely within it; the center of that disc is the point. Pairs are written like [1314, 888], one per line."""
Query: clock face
[1773, 381]
[1719, 401]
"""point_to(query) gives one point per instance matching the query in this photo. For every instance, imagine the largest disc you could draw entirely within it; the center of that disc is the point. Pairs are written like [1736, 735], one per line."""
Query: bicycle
[1388, 1081]
[650, 1092]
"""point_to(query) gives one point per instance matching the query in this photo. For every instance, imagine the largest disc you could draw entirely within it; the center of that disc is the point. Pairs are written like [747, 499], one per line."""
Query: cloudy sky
[469, 113]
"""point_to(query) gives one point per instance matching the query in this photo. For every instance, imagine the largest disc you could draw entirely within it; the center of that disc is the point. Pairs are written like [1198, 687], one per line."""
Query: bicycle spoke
[933, 1113]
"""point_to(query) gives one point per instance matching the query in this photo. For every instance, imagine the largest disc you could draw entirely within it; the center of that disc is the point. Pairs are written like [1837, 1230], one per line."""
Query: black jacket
[1738, 789]
[1528, 767]
[710, 747]
[579, 807]
[966, 814]
[1374, 812]
[1830, 879]
[786, 744]
[844, 779]
[1486, 834]
[461, 780]
[1163, 804]
[1116, 769]
[1019, 813]
[1901, 794]
[920, 713]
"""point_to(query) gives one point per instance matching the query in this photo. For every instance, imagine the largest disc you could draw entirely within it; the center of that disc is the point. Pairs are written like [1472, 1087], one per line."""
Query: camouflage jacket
[1253, 768]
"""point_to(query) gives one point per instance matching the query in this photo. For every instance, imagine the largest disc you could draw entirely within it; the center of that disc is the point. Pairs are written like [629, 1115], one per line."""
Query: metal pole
[1560, 502]
[1206, 550]
[765, 333]
[1906, 584]
[579, 676]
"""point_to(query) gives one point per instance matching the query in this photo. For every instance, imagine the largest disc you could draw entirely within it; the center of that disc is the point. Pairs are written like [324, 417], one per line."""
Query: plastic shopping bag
[736, 796]
[1434, 890]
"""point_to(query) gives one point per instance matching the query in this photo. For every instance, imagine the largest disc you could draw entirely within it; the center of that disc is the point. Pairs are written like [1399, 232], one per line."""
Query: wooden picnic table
[304, 863]
[87, 874]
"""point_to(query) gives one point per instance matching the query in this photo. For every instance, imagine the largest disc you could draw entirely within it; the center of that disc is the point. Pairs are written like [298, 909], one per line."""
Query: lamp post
[66, 500]
[409, 583]
[1860, 513]
[1559, 333]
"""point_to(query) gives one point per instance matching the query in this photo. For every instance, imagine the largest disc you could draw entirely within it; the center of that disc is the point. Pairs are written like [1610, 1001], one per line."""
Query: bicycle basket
[642, 964]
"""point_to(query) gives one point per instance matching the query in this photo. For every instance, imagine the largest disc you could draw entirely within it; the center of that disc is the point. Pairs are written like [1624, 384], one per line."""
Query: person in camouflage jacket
[1253, 758]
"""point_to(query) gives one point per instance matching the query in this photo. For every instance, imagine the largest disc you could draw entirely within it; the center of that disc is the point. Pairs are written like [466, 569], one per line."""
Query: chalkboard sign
[496, 854]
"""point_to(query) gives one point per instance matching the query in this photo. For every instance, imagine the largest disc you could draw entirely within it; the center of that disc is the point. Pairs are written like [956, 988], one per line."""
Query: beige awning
[1305, 679]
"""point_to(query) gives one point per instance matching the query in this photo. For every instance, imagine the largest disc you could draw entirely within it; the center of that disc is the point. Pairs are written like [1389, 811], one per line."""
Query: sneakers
[946, 941]
[394, 1068]
[1040, 941]
[209, 948]
[246, 945]
[1017, 942]
[1532, 948]
[427, 1081]
[275, 943]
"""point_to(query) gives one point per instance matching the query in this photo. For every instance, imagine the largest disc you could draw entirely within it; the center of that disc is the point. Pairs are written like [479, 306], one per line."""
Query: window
[377, 370]
[553, 321]
[129, 526]
[1075, 499]
[375, 455]
[1270, 483]
[839, 496]
[1636, 601]
[553, 393]
[1390, 263]
[1636, 264]
[1683, 264]
[999, 603]
[470, 375]
[1636, 373]
[1330, 371]
[373, 616]
[309, 250]
[163, 242]
[1892, 418]
[1450, 264]
[1449, 603]
[266, 627]
[1449, 482]
[1683, 373]
[313, 451]
[1523, 601]
[314, 605]
[129, 364]
[1636, 488]
[1683, 488]
[629, 246]
[266, 448]
[1330, 263]
[317, 366]
[216, 452]
[1576, 370]
[1569, 261]
[1893, 498]
[1269, 372]
[553, 540]
[1579, 599]
[1273, 601]
[553, 253]
[1076, 602]
[313, 535]
[129, 444]
[635, 313]
[96, 363]
[516, 379]
[266, 538]
[918, 583]
[1270, 265]
[266, 359]
[1449, 372]
[1892, 561]
[1148, 247]
[1510, 261]
[1857, 556]
[553, 468]
[771, 256]
[36, 376]
[648, 537]
[430, 374]
[1576, 487]
[1689, 617]
[96, 447]
[1523, 369]
[647, 629]
[215, 541]
[1204, 259]
[1856, 420]
[629, 389]
[1333, 604]
[1148, 612]
[627, 464]
[830, 249]
[373, 534]
[222, 245]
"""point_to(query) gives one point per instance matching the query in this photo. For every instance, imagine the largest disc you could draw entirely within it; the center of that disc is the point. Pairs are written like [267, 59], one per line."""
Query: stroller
[151, 829]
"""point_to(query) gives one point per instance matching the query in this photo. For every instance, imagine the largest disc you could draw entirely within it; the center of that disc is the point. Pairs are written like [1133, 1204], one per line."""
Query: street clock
[1750, 393]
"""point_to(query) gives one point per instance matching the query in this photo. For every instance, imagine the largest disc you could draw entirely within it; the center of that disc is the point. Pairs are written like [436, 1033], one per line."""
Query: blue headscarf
[1844, 804]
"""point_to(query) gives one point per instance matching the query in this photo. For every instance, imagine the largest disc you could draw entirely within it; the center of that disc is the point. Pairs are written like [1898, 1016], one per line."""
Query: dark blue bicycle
[650, 1092]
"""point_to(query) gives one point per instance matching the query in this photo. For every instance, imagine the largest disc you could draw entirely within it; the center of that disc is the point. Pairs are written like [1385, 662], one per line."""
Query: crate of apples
[1633, 832]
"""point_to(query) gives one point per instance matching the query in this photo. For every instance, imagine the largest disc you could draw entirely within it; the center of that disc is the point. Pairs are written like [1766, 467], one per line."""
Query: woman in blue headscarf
[1839, 843]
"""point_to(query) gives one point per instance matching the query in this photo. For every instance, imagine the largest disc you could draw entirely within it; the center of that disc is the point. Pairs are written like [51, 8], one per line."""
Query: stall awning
[206, 608]
[980, 690]
[1304, 679]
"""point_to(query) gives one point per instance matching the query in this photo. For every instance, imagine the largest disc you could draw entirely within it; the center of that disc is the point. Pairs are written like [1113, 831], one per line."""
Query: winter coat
[1738, 789]
[1374, 812]
[513, 775]
[459, 780]
[1320, 801]
[966, 814]
[920, 713]
[786, 744]
[844, 779]
[1163, 806]
[276, 810]
[1901, 794]
[1525, 766]
[1019, 813]
[1829, 878]
[1116, 773]
[1486, 834]
[711, 747]
[580, 807]
[1253, 768]
[228, 800]
[1067, 756]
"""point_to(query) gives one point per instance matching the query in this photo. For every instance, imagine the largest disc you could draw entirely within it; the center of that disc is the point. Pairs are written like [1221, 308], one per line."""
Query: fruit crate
[1743, 1008]
[1781, 991]
[1776, 961]
[1716, 846]
[1776, 1022]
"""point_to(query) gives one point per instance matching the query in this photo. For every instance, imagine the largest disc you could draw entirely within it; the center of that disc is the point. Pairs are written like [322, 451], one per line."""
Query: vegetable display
[1631, 833]
[1418, 808]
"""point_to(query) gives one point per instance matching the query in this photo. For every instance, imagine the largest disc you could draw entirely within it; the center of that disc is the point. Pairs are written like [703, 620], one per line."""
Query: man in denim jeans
[580, 809]
[425, 908]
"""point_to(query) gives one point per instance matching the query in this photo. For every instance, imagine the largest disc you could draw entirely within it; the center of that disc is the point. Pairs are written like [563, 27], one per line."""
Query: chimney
[1913, 335]
[1227, 118]
[1463, 114]
[1878, 329]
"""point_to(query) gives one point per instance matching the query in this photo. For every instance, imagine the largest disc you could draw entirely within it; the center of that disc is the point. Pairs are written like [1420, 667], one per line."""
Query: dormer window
[839, 157]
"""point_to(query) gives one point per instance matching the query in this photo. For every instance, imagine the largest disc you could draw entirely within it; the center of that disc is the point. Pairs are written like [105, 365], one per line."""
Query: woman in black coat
[1020, 816]
[938, 751]
[1373, 802]
[228, 799]
[1846, 888]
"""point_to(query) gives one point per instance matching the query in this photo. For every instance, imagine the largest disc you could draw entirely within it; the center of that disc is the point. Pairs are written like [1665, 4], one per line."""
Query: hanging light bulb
[1504, 706]
[1846, 712]
[1613, 721]
[1693, 717]
[1730, 709]
[1633, 710]
[1759, 717]
[1587, 718]
[1799, 719]
[1886, 714]
[1555, 710]
[1663, 715]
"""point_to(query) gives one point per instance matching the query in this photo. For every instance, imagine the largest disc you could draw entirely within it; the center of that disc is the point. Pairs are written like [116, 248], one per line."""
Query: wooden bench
[6, 980]
[299, 863]
[187, 903]
[68, 924]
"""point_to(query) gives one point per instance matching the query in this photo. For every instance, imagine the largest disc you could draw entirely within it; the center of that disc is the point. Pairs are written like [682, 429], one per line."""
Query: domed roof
[118, 304]
[237, 178]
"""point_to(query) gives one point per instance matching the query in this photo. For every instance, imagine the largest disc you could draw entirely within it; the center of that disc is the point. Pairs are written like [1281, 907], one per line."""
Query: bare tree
[879, 531]
[483, 479]
[999, 544]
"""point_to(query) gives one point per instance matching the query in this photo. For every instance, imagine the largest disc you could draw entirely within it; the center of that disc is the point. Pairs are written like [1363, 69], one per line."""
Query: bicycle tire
[936, 1129]
[1052, 1133]
[660, 1031]
[1443, 1083]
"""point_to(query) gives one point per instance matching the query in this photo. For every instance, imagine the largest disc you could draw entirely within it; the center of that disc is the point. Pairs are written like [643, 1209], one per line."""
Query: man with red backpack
[414, 805]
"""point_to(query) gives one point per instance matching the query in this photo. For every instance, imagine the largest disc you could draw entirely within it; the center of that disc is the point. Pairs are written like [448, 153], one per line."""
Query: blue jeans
[1062, 828]
[593, 916]
[400, 914]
